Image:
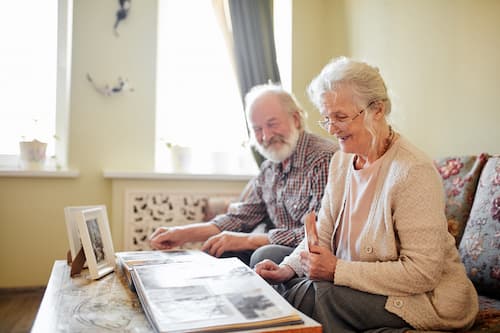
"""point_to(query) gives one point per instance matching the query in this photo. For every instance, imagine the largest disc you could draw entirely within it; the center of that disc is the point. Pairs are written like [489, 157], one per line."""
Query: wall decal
[121, 14]
[121, 86]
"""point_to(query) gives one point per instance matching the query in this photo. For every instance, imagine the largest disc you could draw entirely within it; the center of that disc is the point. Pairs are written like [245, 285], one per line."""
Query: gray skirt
[341, 309]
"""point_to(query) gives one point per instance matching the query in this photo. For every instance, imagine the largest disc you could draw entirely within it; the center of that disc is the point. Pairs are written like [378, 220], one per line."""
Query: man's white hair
[287, 100]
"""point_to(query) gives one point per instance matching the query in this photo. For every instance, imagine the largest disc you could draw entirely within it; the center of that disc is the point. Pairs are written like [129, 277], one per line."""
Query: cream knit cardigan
[407, 253]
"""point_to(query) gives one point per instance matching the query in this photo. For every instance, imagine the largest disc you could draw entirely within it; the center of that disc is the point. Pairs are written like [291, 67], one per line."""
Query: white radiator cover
[147, 210]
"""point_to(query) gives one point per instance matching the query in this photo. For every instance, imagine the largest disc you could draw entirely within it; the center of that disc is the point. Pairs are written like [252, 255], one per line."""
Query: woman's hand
[273, 273]
[319, 264]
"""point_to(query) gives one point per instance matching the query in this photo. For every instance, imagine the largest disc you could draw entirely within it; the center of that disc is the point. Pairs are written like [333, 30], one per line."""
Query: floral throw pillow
[480, 246]
[460, 175]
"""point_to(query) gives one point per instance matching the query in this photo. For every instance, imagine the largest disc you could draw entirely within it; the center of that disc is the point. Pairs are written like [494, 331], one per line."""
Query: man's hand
[233, 241]
[319, 264]
[166, 238]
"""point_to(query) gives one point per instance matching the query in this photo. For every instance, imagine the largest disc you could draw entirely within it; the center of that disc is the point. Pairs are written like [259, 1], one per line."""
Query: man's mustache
[275, 139]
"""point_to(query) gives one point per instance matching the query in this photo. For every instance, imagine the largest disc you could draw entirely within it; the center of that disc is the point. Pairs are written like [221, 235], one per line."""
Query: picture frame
[93, 227]
[71, 215]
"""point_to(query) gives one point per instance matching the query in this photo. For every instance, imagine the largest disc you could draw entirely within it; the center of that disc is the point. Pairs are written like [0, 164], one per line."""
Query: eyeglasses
[341, 121]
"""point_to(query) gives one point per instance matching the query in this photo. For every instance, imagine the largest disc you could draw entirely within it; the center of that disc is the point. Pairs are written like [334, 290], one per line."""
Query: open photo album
[128, 259]
[210, 295]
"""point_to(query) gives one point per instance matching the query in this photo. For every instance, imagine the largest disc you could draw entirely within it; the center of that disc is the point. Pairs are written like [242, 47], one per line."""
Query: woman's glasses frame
[342, 122]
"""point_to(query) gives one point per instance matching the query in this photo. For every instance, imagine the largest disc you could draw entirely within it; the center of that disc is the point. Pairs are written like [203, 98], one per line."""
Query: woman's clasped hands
[319, 264]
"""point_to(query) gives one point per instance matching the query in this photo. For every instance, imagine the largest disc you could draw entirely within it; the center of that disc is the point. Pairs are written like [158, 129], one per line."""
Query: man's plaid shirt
[284, 195]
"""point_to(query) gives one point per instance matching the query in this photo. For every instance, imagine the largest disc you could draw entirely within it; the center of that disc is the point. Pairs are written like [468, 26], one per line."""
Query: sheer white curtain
[198, 101]
[28, 67]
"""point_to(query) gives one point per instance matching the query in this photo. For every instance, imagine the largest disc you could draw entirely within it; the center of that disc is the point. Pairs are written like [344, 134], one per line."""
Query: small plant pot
[180, 158]
[32, 154]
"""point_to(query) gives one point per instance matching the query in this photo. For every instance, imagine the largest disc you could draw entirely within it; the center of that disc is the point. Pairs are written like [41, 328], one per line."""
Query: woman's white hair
[365, 82]
[287, 100]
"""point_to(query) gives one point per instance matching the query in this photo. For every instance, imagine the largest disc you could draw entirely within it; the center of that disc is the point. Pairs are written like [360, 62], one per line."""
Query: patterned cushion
[480, 246]
[488, 318]
[460, 176]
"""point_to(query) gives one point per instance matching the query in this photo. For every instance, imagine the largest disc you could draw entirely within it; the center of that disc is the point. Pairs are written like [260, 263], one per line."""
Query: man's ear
[296, 119]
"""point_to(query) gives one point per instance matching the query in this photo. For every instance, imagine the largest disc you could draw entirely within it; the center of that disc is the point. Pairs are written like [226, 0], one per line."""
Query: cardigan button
[369, 249]
[398, 303]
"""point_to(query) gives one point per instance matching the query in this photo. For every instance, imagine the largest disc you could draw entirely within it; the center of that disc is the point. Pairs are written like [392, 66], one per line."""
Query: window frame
[63, 82]
[181, 158]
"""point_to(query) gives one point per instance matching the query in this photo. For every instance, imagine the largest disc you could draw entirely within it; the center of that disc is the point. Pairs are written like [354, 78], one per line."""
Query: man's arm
[234, 241]
[245, 215]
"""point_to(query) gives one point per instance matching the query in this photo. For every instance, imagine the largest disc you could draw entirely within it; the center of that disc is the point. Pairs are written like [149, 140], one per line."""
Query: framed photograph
[71, 215]
[95, 236]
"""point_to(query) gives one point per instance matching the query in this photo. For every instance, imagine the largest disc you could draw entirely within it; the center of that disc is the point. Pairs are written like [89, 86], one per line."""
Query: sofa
[472, 193]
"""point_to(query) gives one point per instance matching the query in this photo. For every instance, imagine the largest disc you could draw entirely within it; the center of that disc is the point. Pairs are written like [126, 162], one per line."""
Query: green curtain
[254, 48]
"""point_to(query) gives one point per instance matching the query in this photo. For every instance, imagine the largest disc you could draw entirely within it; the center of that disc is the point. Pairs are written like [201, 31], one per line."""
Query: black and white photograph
[97, 243]
[96, 240]
[71, 216]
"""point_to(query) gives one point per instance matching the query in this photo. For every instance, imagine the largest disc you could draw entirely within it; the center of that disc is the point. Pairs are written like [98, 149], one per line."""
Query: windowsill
[137, 175]
[43, 173]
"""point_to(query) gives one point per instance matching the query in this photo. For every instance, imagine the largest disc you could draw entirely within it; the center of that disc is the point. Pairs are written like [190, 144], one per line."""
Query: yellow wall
[317, 36]
[440, 58]
[105, 132]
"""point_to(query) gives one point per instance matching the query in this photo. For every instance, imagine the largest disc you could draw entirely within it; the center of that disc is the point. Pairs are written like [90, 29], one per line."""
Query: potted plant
[180, 157]
[32, 153]
[175, 158]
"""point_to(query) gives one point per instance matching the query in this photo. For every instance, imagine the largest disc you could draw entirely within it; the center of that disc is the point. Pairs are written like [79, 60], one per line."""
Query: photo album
[209, 295]
[179, 290]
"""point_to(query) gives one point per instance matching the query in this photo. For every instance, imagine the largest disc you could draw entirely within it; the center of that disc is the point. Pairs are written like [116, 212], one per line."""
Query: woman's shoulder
[340, 164]
[410, 155]
[411, 162]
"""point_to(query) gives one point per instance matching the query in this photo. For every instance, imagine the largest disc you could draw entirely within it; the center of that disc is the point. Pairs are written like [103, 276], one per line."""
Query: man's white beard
[280, 154]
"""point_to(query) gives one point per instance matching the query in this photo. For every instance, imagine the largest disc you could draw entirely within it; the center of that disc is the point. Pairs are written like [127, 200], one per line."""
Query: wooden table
[106, 305]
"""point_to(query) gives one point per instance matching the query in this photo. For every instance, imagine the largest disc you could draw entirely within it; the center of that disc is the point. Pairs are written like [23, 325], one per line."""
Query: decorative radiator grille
[146, 210]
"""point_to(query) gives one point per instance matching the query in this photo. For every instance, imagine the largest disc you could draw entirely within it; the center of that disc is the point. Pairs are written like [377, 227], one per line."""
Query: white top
[361, 189]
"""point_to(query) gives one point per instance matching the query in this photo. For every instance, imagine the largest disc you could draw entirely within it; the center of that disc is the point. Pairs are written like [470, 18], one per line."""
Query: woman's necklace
[358, 164]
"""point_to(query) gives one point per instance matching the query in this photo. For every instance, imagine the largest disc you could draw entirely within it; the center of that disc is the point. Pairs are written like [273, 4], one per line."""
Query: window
[199, 110]
[33, 64]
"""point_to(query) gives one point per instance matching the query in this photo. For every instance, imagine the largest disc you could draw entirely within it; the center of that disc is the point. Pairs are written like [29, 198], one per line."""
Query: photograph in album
[213, 295]
[126, 260]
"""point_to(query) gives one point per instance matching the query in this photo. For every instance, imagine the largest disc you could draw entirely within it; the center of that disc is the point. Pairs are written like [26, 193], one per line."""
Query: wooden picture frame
[71, 215]
[93, 227]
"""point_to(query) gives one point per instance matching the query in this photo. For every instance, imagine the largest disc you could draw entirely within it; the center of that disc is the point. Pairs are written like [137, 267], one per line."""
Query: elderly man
[289, 185]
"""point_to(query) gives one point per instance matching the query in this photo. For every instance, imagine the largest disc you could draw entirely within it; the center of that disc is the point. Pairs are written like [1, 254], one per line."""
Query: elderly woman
[385, 260]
